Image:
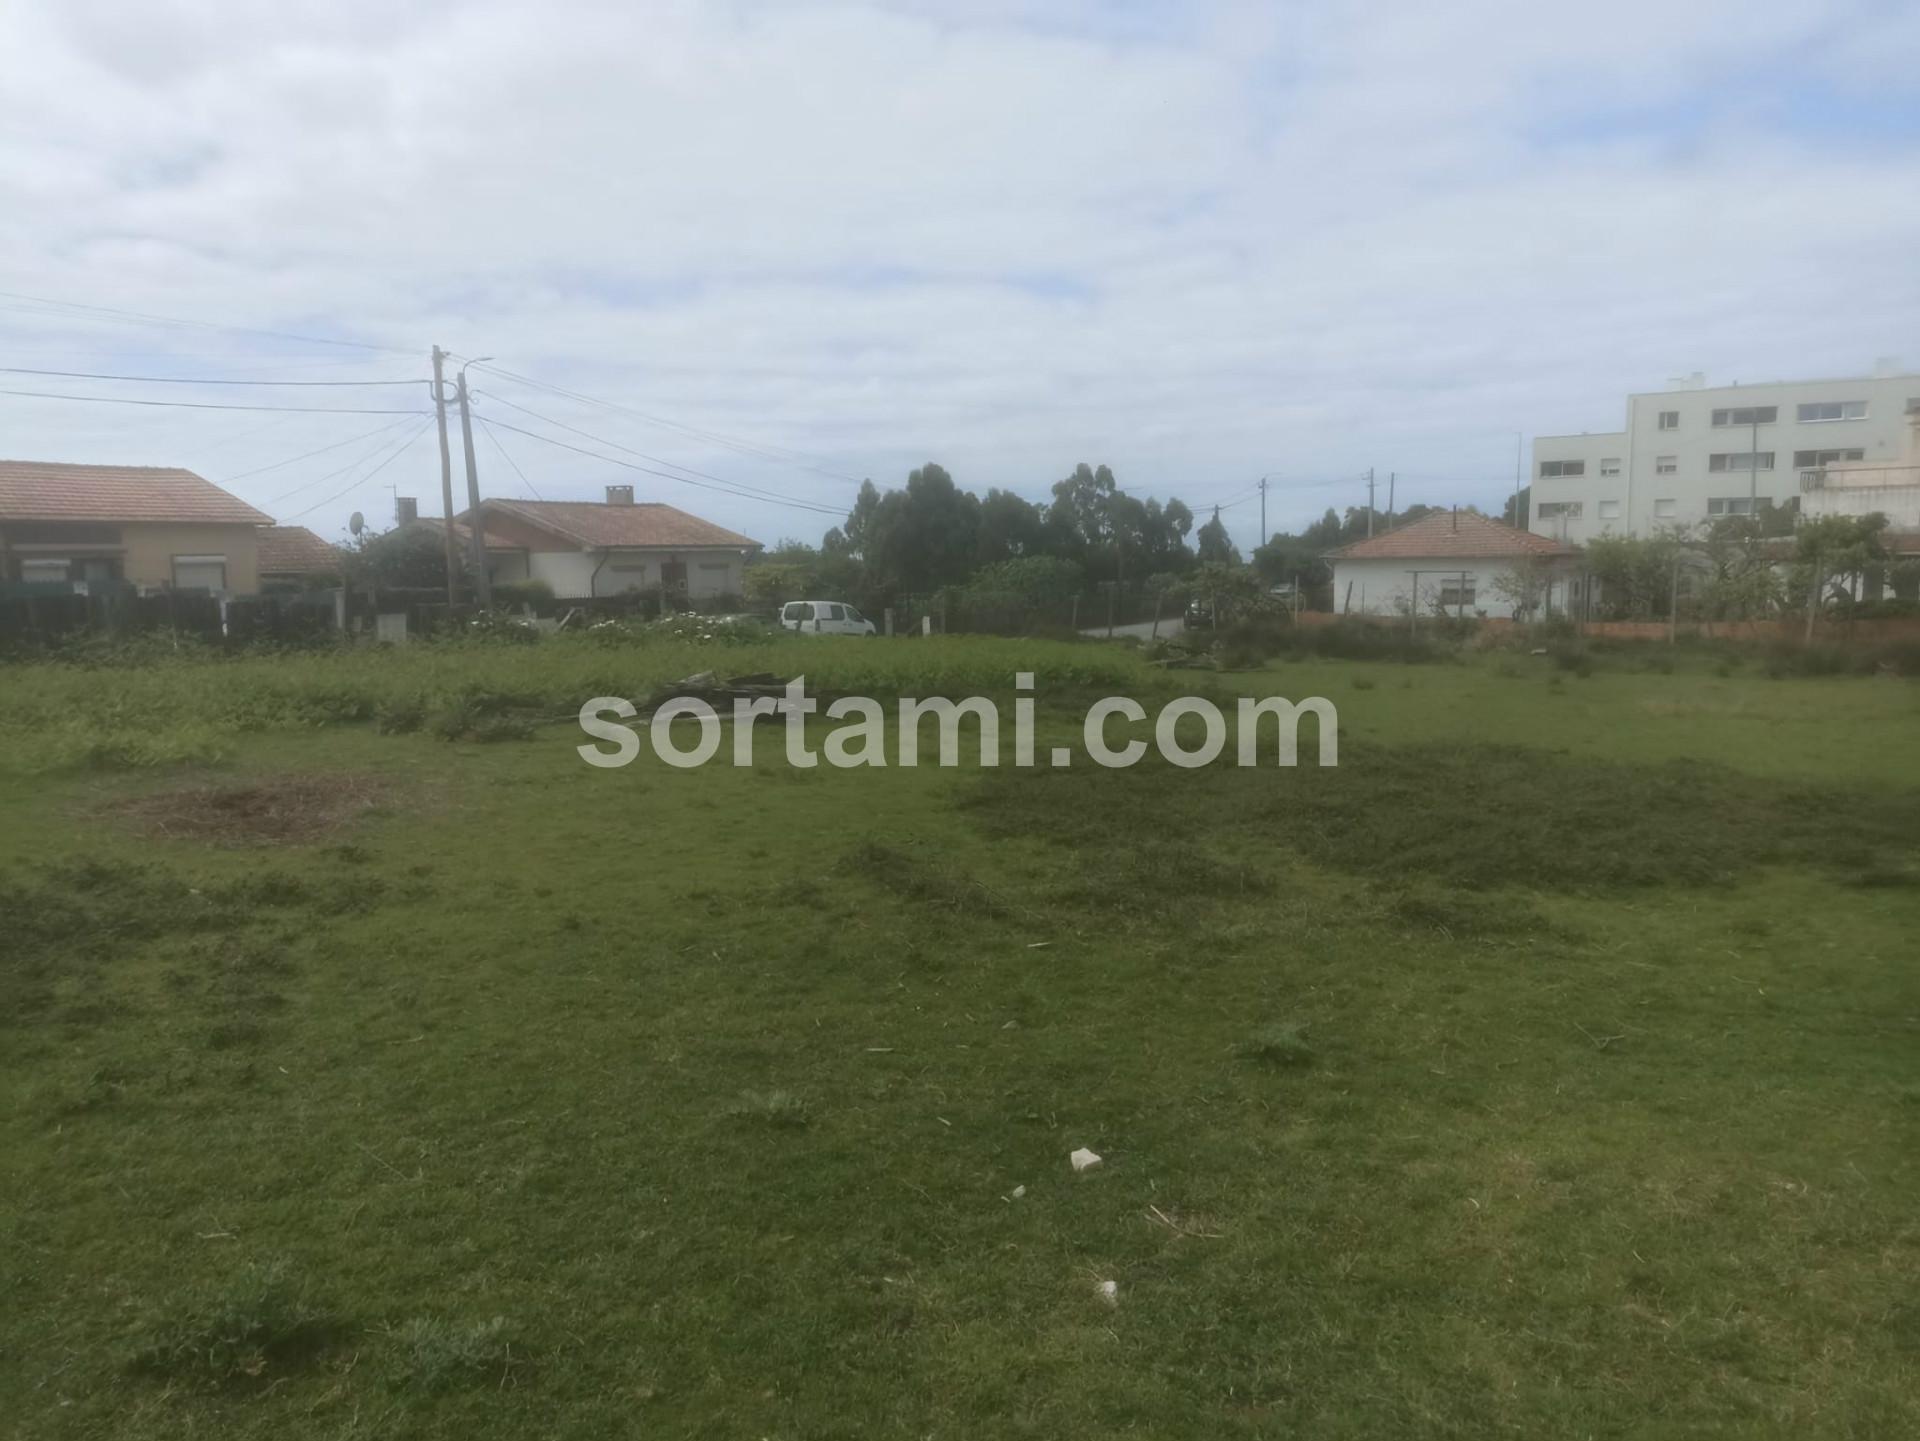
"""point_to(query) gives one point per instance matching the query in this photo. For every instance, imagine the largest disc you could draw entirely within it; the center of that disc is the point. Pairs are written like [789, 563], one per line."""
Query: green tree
[1214, 545]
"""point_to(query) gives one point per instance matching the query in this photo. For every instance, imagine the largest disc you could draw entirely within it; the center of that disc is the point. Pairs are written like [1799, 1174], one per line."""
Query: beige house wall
[148, 552]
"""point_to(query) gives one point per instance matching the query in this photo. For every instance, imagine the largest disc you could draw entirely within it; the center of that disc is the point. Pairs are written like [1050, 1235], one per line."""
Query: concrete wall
[1647, 496]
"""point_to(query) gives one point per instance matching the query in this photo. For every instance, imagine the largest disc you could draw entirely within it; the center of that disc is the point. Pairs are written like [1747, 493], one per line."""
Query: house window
[1665, 509]
[1810, 459]
[1821, 410]
[199, 572]
[1749, 415]
[43, 570]
[1741, 460]
[1554, 509]
[1610, 465]
[1734, 504]
[1609, 510]
[1455, 592]
[1563, 467]
[1669, 420]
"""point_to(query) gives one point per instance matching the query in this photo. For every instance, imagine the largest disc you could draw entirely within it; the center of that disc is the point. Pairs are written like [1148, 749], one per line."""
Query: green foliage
[409, 556]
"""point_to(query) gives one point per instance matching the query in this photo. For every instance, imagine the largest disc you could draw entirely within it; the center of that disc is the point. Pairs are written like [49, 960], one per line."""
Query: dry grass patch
[281, 810]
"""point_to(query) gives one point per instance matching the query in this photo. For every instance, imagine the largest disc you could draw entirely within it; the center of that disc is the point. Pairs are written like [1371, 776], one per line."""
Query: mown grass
[1543, 1071]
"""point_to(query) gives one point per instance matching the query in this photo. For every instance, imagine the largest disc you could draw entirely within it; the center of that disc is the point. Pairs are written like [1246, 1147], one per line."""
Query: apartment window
[1669, 420]
[1735, 504]
[1741, 460]
[1554, 509]
[199, 572]
[1610, 466]
[1609, 510]
[1810, 459]
[1821, 410]
[1749, 415]
[1665, 464]
[1453, 592]
[1665, 509]
[1562, 467]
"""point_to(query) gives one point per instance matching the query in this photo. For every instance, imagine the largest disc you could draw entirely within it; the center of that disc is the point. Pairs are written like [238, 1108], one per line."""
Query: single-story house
[604, 548]
[1451, 560]
[154, 527]
[292, 555]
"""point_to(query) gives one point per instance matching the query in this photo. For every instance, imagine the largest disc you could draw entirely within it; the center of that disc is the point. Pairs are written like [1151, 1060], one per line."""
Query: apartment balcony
[1852, 476]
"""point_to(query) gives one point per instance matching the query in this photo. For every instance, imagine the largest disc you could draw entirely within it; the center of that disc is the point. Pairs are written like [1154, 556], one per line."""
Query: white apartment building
[1696, 453]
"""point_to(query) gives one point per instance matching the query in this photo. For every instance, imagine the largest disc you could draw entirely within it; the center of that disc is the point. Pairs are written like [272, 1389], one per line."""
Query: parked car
[824, 617]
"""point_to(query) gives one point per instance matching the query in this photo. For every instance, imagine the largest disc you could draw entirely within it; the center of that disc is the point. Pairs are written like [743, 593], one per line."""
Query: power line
[736, 485]
[507, 456]
[359, 459]
[293, 460]
[394, 455]
[192, 379]
[111, 312]
[782, 454]
[665, 475]
[210, 405]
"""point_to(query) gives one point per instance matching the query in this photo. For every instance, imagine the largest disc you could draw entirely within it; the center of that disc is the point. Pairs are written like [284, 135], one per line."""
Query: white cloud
[1198, 243]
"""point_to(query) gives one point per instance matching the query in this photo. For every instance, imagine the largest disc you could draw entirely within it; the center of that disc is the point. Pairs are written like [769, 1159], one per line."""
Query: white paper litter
[1084, 1160]
[1110, 1292]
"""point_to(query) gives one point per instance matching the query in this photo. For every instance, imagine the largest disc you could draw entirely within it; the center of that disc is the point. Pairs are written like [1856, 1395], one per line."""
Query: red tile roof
[463, 533]
[1452, 535]
[295, 550]
[599, 526]
[44, 490]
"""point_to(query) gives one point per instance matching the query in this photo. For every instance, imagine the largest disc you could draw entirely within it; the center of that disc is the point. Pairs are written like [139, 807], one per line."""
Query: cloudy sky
[797, 244]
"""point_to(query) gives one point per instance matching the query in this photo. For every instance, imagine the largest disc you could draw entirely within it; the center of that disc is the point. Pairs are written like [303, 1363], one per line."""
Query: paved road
[1144, 629]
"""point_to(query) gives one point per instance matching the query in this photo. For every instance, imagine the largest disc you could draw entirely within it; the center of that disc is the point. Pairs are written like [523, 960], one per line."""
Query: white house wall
[575, 575]
[1383, 587]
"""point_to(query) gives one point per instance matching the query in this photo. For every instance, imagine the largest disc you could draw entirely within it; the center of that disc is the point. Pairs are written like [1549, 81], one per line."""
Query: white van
[824, 617]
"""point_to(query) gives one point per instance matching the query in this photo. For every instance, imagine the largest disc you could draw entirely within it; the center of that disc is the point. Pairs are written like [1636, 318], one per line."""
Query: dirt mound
[285, 810]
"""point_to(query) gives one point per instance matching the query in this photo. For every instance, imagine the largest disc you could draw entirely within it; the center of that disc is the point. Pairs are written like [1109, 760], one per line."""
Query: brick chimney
[619, 495]
[405, 508]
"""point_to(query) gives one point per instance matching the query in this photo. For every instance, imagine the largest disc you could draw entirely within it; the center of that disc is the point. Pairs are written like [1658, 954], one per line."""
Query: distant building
[149, 526]
[1450, 560]
[604, 548]
[1696, 454]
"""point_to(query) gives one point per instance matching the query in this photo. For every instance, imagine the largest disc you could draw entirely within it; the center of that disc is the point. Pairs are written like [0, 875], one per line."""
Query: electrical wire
[665, 475]
[296, 459]
[735, 485]
[782, 454]
[507, 455]
[194, 379]
[359, 459]
[114, 313]
[211, 405]
[392, 456]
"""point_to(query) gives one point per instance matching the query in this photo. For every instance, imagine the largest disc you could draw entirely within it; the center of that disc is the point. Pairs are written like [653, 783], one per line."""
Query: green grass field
[1551, 1068]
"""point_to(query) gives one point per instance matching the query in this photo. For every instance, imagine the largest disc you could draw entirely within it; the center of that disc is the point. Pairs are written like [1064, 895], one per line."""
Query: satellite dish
[356, 522]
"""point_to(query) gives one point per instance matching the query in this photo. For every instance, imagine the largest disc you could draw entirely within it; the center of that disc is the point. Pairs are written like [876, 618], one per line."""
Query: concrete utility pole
[446, 476]
[1263, 512]
[1369, 500]
[1392, 476]
[481, 580]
